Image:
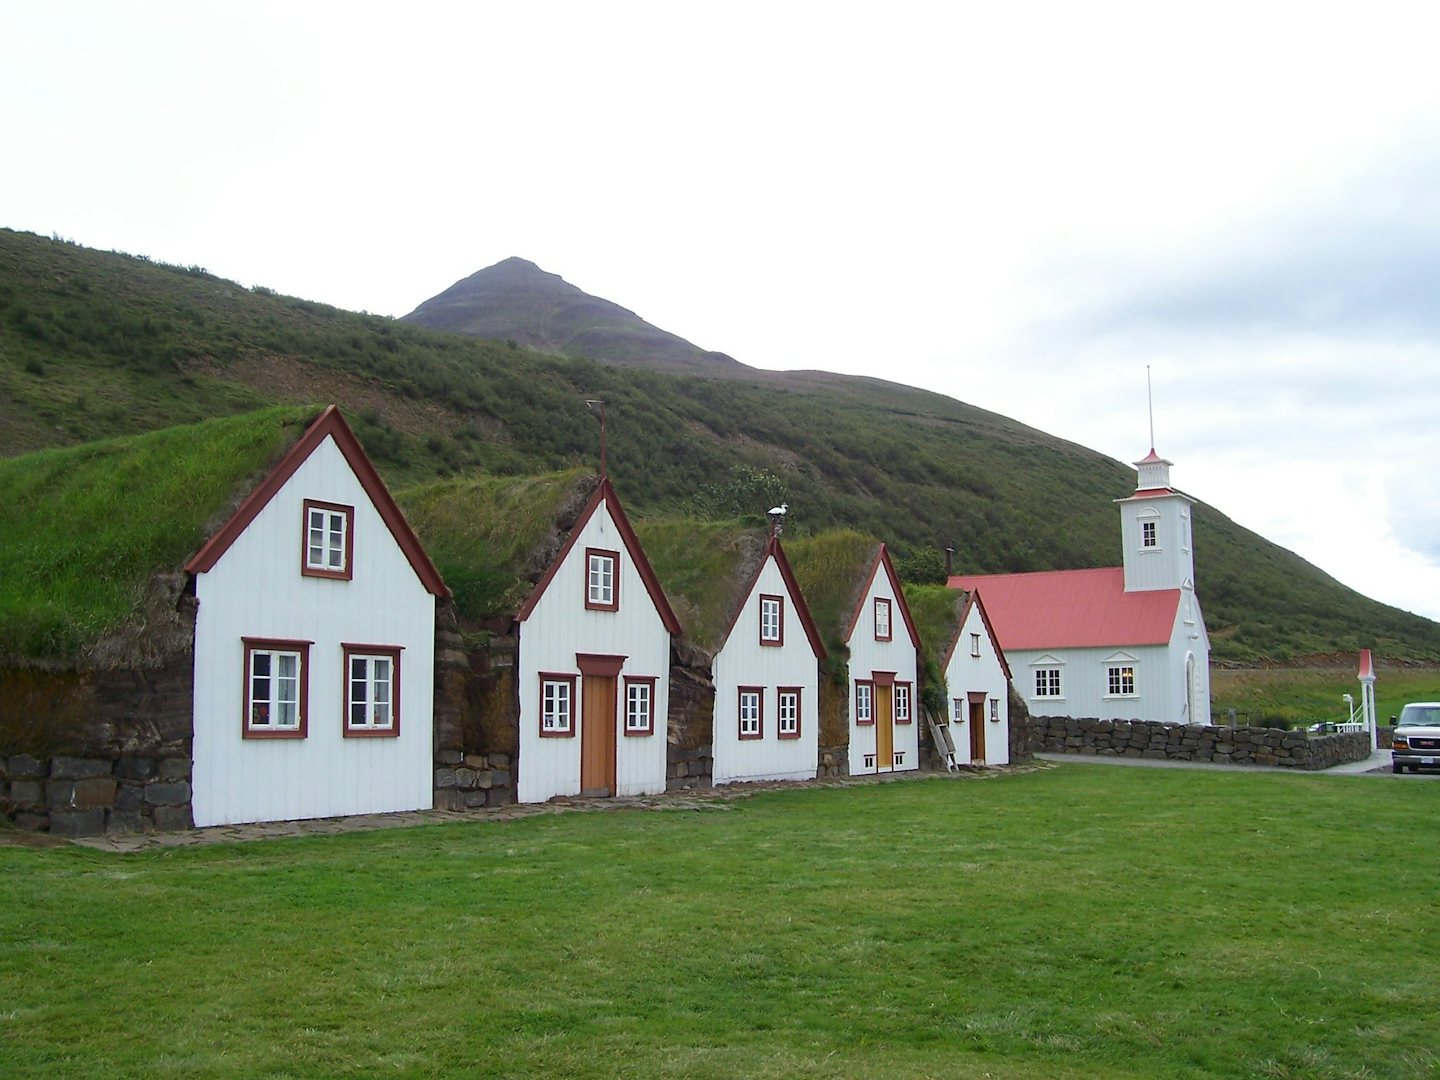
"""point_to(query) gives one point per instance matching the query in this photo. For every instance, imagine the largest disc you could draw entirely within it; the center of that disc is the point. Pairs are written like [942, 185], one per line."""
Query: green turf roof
[491, 536]
[831, 568]
[936, 610]
[705, 568]
[84, 529]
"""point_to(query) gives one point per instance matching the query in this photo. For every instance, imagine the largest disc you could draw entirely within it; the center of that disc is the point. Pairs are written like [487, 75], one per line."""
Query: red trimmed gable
[1073, 609]
[329, 424]
[797, 598]
[604, 494]
[882, 560]
[972, 602]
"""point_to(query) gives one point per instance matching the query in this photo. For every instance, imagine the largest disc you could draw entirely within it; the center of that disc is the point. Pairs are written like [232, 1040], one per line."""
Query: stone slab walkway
[705, 799]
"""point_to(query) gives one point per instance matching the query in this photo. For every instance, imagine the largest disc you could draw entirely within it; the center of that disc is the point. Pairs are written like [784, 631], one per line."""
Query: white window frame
[772, 620]
[751, 713]
[602, 579]
[375, 689]
[787, 712]
[974, 644]
[864, 703]
[258, 722]
[994, 710]
[902, 703]
[640, 704]
[1053, 686]
[328, 543]
[884, 623]
[1117, 674]
[557, 705]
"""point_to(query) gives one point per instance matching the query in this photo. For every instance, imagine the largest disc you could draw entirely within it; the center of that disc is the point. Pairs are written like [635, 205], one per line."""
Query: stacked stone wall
[690, 728]
[477, 718]
[1195, 742]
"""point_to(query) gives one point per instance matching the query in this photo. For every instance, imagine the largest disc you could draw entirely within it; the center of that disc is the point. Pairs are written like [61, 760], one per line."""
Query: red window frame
[781, 693]
[883, 604]
[390, 652]
[869, 688]
[568, 680]
[649, 682]
[908, 691]
[779, 638]
[345, 573]
[759, 694]
[302, 707]
[614, 558]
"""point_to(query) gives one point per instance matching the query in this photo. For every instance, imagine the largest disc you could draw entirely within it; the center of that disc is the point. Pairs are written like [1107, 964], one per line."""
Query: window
[772, 620]
[882, 619]
[974, 644]
[864, 703]
[902, 703]
[277, 688]
[1121, 680]
[957, 709]
[639, 705]
[372, 690]
[557, 706]
[752, 724]
[602, 585]
[787, 712]
[994, 710]
[1047, 682]
[1149, 534]
[329, 540]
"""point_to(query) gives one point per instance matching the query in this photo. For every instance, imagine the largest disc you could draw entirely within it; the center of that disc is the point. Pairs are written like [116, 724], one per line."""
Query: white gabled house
[766, 677]
[978, 679]
[592, 667]
[1123, 642]
[884, 701]
[314, 656]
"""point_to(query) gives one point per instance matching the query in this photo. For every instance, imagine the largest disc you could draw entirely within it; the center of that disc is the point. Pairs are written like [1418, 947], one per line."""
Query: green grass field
[1296, 697]
[1077, 921]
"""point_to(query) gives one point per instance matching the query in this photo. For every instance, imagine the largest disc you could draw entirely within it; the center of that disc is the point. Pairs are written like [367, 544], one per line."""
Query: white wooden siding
[868, 656]
[256, 590]
[1084, 689]
[743, 661]
[559, 626]
[981, 674]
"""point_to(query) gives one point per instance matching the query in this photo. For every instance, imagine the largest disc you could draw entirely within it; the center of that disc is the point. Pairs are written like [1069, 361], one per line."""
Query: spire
[1153, 472]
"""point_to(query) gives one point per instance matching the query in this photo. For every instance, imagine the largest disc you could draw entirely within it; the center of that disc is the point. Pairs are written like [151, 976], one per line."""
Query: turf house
[225, 622]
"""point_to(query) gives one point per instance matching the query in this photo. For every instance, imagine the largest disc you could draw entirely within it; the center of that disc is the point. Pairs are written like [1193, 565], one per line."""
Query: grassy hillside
[95, 344]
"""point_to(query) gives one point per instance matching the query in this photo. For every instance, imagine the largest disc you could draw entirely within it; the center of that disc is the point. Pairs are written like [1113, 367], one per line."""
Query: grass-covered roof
[704, 568]
[831, 570]
[492, 536]
[84, 529]
[936, 610]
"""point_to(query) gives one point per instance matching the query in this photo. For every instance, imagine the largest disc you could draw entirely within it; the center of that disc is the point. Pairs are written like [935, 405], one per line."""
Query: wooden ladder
[940, 736]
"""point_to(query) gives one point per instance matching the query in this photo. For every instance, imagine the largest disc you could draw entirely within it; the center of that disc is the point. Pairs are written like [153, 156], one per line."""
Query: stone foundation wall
[1195, 742]
[689, 729]
[477, 717]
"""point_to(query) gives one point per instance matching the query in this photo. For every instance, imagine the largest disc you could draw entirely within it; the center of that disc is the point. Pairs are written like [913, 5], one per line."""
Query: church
[1124, 642]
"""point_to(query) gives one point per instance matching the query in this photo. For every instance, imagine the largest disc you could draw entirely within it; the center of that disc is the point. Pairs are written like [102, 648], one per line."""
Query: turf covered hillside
[95, 344]
[87, 527]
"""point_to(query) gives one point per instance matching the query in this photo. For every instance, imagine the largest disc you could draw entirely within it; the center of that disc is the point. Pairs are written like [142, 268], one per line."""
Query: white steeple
[1155, 531]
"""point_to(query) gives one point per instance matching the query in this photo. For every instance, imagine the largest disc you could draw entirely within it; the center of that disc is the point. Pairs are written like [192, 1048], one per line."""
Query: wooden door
[597, 736]
[977, 733]
[884, 727]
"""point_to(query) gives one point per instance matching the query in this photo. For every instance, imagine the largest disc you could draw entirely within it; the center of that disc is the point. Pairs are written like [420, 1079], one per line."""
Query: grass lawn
[1070, 922]
[1303, 696]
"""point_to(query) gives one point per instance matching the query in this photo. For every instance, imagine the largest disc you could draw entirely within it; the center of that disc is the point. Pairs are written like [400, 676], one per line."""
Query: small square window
[787, 713]
[372, 690]
[277, 689]
[602, 580]
[864, 703]
[557, 706]
[902, 703]
[1047, 682]
[639, 705]
[882, 619]
[772, 620]
[329, 541]
[752, 722]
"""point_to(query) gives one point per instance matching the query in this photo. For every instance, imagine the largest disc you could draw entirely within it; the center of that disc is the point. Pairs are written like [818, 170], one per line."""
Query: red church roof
[1060, 609]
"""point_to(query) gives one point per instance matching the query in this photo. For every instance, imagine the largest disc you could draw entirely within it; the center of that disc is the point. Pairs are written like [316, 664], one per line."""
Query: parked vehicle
[1416, 742]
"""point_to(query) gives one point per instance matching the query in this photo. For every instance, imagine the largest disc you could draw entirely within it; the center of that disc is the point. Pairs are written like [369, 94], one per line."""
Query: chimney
[949, 560]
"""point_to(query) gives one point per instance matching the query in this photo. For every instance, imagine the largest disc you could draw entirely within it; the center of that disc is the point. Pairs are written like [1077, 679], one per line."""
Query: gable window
[602, 580]
[772, 620]
[974, 644]
[277, 688]
[557, 706]
[1120, 680]
[902, 703]
[752, 723]
[329, 540]
[639, 705]
[1047, 682]
[372, 690]
[1149, 534]
[864, 703]
[882, 619]
[787, 712]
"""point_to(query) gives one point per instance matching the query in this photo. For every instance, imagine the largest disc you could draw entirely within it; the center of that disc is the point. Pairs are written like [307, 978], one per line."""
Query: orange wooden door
[597, 736]
[884, 727]
[977, 732]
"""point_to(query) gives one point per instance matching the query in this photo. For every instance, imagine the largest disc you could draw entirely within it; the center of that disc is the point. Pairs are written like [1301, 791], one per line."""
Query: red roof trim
[882, 558]
[329, 424]
[797, 598]
[605, 494]
[1149, 493]
[973, 601]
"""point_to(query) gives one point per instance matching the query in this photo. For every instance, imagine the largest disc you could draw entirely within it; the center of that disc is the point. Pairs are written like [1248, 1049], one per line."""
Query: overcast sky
[1018, 205]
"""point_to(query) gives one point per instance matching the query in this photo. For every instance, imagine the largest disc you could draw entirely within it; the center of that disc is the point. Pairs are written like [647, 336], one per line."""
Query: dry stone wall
[1195, 742]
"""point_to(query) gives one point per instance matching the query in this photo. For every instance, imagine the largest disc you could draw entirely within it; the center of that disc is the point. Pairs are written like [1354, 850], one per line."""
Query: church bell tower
[1155, 531]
